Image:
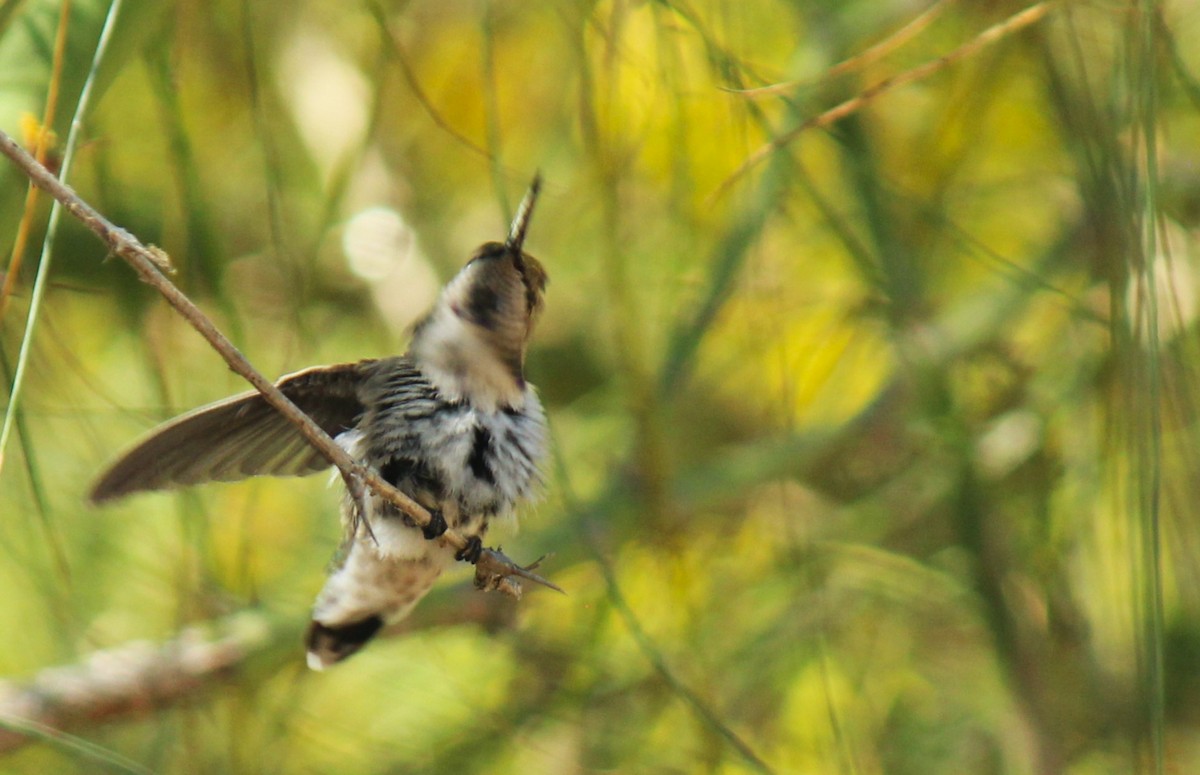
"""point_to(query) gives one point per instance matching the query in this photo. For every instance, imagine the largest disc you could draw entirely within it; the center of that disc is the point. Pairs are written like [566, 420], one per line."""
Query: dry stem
[136, 678]
[121, 681]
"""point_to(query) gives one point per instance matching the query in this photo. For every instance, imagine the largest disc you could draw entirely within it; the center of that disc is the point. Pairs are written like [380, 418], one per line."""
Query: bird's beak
[520, 224]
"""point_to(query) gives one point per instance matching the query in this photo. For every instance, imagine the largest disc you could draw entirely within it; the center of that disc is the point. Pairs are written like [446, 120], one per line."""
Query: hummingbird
[452, 423]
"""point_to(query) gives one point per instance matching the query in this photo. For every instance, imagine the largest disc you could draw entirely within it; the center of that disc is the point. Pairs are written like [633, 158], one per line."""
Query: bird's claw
[436, 527]
[470, 553]
[359, 497]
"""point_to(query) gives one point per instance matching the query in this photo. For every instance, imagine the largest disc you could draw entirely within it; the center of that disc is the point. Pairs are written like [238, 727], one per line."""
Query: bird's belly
[470, 465]
[489, 462]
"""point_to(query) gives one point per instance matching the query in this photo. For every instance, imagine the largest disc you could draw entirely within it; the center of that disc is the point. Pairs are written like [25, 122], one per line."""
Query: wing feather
[241, 436]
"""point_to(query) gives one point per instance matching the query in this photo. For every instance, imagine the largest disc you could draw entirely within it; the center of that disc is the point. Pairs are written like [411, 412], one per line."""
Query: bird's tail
[369, 590]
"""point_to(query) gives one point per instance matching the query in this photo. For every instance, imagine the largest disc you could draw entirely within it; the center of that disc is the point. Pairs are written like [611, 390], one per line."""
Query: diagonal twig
[652, 654]
[493, 569]
[394, 47]
[996, 32]
[859, 60]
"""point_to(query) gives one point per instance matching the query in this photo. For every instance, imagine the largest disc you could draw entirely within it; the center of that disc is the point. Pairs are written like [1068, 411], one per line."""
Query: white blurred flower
[382, 249]
[1175, 279]
[329, 97]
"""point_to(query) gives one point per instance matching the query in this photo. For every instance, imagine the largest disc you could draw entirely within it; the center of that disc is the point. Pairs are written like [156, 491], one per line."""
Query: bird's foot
[470, 553]
[436, 527]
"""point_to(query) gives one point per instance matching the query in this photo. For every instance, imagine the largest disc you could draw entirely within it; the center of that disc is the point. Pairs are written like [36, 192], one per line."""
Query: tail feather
[330, 645]
[371, 589]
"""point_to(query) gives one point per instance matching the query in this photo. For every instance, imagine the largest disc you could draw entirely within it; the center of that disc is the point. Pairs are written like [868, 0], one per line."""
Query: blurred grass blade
[82, 749]
[1143, 89]
[43, 272]
[723, 271]
[45, 133]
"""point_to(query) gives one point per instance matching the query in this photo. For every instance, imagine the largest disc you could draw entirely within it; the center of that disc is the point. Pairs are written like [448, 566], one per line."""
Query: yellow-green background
[880, 459]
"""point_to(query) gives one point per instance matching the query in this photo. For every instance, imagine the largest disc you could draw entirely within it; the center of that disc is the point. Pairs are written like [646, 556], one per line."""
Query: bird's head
[473, 341]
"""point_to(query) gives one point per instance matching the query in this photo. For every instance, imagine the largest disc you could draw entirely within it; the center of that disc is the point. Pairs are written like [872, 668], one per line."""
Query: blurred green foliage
[880, 458]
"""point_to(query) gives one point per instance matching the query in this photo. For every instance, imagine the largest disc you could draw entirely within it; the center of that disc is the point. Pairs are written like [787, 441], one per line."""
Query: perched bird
[452, 423]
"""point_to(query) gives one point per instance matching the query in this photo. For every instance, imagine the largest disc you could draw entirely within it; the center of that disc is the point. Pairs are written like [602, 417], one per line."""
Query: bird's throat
[468, 363]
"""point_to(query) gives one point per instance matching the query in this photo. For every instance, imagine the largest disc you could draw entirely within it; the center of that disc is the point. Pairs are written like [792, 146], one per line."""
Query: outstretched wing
[241, 436]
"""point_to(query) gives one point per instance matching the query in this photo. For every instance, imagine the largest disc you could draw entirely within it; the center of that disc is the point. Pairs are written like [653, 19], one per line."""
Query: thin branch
[643, 640]
[392, 43]
[492, 569]
[1019, 21]
[859, 60]
[655, 657]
